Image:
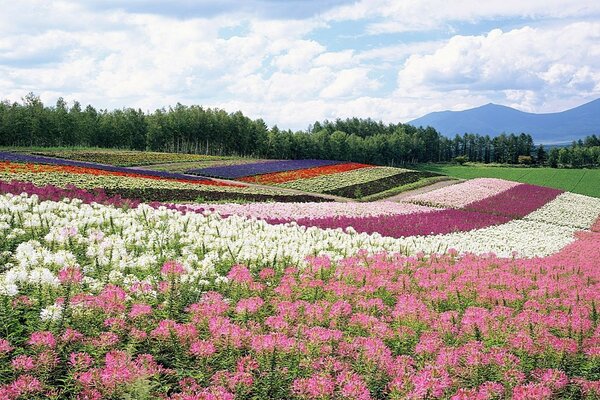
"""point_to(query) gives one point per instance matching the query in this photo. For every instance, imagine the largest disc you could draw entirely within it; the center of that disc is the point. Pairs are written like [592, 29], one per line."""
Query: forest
[195, 129]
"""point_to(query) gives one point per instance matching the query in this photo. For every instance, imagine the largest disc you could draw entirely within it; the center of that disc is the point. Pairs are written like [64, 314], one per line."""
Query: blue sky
[294, 62]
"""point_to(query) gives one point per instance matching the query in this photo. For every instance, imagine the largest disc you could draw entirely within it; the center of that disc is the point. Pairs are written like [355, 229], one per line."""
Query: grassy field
[583, 181]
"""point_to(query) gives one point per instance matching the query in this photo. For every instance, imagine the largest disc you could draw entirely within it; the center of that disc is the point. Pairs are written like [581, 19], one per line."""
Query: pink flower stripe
[517, 201]
[423, 223]
[463, 194]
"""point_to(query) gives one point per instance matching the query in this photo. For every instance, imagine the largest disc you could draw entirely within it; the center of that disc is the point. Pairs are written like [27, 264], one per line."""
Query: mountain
[493, 119]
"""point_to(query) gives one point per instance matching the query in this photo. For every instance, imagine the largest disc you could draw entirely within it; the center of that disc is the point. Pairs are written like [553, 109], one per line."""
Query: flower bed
[33, 159]
[260, 168]
[287, 176]
[359, 190]
[15, 168]
[293, 211]
[402, 225]
[462, 194]
[325, 183]
[145, 189]
[515, 202]
[103, 302]
[122, 158]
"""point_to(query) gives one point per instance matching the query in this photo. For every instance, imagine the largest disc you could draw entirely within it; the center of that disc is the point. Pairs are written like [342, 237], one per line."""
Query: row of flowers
[15, 168]
[36, 159]
[463, 194]
[142, 188]
[260, 168]
[328, 183]
[123, 158]
[104, 302]
[306, 173]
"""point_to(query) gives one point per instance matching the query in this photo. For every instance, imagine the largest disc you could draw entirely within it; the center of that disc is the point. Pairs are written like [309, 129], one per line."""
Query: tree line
[581, 153]
[212, 131]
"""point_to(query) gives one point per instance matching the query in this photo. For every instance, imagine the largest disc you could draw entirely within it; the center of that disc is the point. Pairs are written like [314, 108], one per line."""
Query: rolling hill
[493, 119]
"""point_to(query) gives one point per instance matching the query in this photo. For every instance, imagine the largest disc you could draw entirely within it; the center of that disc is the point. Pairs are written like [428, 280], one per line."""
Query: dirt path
[425, 189]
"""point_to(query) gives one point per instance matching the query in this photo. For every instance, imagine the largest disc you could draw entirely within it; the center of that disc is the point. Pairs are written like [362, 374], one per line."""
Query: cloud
[291, 69]
[525, 59]
[391, 16]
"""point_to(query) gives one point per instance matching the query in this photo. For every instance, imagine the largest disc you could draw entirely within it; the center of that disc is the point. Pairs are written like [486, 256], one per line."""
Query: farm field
[304, 177]
[583, 181]
[484, 289]
[132, 183]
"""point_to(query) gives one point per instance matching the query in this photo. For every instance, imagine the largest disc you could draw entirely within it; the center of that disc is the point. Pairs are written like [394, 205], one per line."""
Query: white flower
[51, 313]
[8, 289]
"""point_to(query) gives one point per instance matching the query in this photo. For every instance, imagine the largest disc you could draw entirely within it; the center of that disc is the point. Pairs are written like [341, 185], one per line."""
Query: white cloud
[418, 15]
[295, 71]
[349, 82]
[551, 61]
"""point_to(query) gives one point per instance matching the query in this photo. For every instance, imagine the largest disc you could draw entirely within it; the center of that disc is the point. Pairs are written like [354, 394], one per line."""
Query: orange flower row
[287, 176]
[7, 166]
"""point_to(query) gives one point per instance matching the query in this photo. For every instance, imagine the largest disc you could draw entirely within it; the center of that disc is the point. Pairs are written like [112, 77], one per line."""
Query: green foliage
[461, 160]
[525, 160]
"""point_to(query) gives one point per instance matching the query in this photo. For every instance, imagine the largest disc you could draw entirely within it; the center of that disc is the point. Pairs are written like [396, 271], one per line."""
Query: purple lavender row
[260, 168]
[428, 223]
[30, 158]
[516, 202]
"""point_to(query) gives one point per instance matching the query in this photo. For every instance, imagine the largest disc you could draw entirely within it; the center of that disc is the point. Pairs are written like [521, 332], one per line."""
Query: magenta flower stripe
[402, 225]
[517, 201]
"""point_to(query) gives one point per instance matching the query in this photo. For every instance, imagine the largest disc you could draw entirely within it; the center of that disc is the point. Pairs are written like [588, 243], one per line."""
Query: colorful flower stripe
[32, 159]
[328, 183]
[293, 211]
[462, 194]
[260, 168]
[12, 167]
[287, 176]
[516, 202]
[404, 225]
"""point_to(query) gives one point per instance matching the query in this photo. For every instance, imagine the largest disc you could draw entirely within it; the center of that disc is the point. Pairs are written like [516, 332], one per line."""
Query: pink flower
[23, 363]
[249, 305]
[240, 274]
[5, 347]
[138, 310]
[172, 268]
[80, 361]
[71, 335]
[25, 384]
[42, 339]
[315, 387]
[266, 273]
[202, 348]
[531, 391]
[70, 274]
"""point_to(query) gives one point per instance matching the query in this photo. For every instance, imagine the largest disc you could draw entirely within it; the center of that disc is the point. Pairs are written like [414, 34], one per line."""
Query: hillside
[493, 119]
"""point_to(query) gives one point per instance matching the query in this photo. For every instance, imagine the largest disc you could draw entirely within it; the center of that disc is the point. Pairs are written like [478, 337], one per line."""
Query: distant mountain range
[493, 119]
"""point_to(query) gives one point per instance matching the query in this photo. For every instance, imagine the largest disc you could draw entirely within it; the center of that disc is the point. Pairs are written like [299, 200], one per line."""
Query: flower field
[123, 158]
[132, 183]
[260, 168]
[485, 289]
